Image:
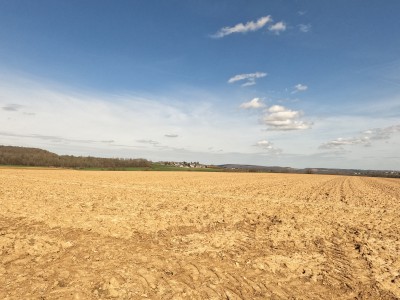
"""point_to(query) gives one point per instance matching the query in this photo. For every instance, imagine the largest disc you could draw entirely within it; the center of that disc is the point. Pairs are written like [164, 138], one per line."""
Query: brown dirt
[185, 235]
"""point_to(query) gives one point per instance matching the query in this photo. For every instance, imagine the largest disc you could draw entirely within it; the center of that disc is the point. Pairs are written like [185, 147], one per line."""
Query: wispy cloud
[278, 117]
[12, 107]
[159, 146]
[53, 139]
[304, 27]
[278, 27]
[299, 88]
[151, 142]
[254, 103]
[382, 133]
[268, 146]
[366, 138]
[340, 142]
[242, 28]
[76, 121]
[250, 78]
[249, 83]
[80, 122]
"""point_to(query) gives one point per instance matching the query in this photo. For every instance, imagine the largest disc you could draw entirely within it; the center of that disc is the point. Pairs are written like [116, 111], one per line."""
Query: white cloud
[276, 108]
[151, 142]
[67, 120]
[70, 121]
[254, 103]
[340, 142]
[246, 76]
[300, 88]
[250, 78]
[304, 27]
[366, 138]
[278, 27]
[278, 117]
[243, 28]
[264, 144]
[250, 82]
[268, 146]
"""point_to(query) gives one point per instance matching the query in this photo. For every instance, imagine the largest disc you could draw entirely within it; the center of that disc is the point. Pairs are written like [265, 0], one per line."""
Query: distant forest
[22, 156]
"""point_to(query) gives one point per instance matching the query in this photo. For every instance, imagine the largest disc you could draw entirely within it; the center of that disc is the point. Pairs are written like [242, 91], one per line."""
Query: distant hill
[330, 171]
[254, 168]
[22, 156]
[35, 157]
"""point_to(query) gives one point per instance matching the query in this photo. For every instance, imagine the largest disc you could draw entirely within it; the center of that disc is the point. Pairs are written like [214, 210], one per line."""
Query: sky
[276, 83]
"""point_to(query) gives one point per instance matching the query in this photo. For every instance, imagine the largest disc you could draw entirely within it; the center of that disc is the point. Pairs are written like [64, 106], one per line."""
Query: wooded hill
[22, 156]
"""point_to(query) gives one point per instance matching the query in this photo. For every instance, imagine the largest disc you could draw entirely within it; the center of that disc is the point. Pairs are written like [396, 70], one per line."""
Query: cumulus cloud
[254, 103]
[299, 88]
[250, 78]
[171, 135]
[68, 119]
[278, 27]
[366, 138]
[278, 117]
[243, 28]
[304, 27]
[264, 144]
[268, 146]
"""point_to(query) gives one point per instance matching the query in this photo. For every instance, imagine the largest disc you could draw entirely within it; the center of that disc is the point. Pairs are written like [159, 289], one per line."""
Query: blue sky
[290, 83]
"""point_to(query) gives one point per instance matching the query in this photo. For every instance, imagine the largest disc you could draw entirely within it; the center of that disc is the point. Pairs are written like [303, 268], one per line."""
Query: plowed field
[185, 235]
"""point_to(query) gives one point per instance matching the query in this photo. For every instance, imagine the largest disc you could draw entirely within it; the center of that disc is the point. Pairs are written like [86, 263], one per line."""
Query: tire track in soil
[299, 242]
[348, 270]
[149, 277]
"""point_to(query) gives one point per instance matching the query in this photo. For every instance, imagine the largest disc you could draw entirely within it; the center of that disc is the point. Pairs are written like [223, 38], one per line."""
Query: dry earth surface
[183, 235]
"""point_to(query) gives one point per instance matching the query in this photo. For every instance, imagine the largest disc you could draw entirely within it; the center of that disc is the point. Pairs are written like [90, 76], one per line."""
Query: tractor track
[150, 235]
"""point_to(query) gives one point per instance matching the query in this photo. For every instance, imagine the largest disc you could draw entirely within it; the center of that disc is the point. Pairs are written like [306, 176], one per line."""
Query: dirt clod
[185, 235]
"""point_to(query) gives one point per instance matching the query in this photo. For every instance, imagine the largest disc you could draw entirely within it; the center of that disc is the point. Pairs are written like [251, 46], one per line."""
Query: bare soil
[184, 235]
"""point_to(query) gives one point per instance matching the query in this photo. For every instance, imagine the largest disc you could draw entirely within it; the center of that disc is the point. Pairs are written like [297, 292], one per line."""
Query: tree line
[23, 156]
